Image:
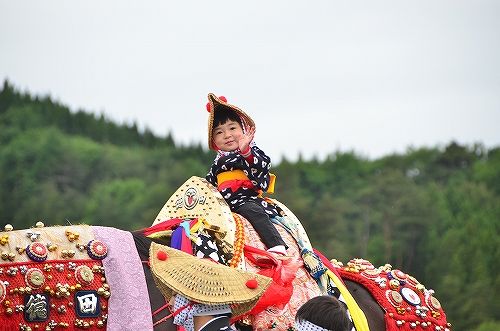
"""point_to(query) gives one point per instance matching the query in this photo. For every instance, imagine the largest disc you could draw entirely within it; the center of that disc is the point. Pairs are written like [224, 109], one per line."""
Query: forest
[433, 213]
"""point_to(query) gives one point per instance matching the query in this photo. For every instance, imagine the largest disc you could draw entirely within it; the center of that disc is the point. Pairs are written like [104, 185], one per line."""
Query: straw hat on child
[215, 103]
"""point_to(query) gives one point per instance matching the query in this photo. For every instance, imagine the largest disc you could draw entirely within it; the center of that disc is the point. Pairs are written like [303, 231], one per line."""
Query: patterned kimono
[256, 168]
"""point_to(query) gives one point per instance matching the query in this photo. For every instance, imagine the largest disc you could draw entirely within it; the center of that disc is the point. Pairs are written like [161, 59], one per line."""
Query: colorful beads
[84, 275]
[97, 250]
[37, 252]
[4, 239]
[34, 278]
[239, 242]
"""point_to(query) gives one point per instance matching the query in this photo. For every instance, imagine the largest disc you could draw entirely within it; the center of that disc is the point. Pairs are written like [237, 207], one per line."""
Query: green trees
[433, 213]
[468, 235]
[57, 166]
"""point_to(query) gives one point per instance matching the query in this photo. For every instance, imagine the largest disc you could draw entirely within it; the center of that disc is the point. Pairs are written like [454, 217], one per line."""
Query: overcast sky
[316, 76]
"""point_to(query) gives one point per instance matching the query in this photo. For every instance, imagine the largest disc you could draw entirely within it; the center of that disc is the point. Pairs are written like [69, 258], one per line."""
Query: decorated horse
[94, 277]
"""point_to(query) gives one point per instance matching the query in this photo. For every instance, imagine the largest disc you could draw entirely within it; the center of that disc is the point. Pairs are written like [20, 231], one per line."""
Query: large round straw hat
[213, 104]
[205, 281]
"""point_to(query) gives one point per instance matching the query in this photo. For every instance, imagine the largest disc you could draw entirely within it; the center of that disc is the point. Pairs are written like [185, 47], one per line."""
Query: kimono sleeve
[258, 170]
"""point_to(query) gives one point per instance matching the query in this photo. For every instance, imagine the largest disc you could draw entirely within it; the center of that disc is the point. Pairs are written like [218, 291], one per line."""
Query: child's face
[227, 136]
[171, 302]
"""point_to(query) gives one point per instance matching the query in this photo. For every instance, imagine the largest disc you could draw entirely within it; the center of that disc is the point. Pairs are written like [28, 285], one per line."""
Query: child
[241, 170]
[322, 313]
[204, 295]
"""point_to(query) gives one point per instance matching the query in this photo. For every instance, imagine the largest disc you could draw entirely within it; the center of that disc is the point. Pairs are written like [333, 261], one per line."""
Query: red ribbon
[235, 184]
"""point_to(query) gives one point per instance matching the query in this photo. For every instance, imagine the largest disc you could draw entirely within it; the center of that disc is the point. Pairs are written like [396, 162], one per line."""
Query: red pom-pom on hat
[161, 255]
[252, 283]
[222, 98]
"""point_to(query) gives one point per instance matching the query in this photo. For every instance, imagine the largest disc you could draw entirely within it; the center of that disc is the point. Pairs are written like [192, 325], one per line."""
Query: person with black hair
[241, 170]
[322, 313]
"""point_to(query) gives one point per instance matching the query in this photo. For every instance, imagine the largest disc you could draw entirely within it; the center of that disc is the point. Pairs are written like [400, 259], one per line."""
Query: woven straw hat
[205, 281]
[213, 104]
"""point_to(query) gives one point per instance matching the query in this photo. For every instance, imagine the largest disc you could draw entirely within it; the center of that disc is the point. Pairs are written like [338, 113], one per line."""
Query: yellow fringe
[357, 314]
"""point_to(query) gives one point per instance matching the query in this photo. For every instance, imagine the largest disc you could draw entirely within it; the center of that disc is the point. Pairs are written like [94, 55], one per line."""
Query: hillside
[433, 213]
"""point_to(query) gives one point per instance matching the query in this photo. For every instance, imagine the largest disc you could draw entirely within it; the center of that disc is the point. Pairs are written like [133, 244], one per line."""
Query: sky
[318, 77]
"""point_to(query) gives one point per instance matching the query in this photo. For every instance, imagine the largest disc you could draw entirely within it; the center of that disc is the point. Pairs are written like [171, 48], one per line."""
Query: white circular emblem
[432, 302]
[191, 197]
[410, 296]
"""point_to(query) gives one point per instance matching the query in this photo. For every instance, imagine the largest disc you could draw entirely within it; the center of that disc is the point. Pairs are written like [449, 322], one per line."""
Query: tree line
[432, 212]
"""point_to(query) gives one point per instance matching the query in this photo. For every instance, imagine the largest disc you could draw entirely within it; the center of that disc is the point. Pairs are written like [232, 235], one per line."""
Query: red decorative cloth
[304, 286]
[162, 226]
[40, 294]
[235, 184]
[408, 304]
[282, 273]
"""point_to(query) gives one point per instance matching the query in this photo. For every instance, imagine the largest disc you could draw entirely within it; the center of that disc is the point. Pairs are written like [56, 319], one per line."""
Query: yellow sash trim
[230, 175]
[272, 180]
[358, 317]
[239, 174]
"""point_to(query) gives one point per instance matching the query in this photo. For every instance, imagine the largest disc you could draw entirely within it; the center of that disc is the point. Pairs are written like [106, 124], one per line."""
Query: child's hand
[246, 139]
